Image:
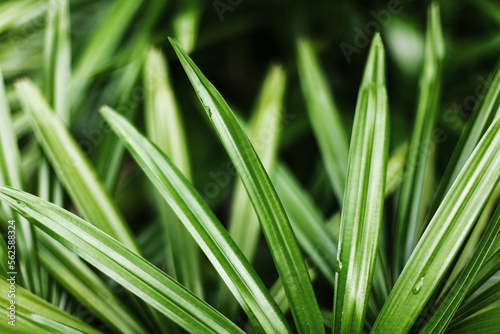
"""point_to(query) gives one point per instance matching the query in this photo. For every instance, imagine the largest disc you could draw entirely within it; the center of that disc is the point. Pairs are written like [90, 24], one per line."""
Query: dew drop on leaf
[339, 266]
[418, 286]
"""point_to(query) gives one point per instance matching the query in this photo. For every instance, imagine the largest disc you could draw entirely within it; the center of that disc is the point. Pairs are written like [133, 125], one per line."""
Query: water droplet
[418, 286]
[339, 266]
[207, 108]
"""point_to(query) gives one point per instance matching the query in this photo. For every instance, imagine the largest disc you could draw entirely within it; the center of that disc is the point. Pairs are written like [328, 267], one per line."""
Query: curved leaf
[35, 315]
[274, 222]
[121, 264]
[444, 235]
[324, 116]
[203, 225]
[363, 198]
[453, 299]
[165, 128]
[72, 166]
[411, 203]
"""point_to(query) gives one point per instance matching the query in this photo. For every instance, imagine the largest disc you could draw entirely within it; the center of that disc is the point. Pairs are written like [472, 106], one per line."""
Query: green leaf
[324, 116]
[165, 128]
[488, 269]
[73, 274]
[73, 169]
[16, 13]
[263, 132]
[412, 202]
[444, 235]
[364, 197]
[84, 284]
[473, 240]
[186, 22]
[308, 224]
[57, 74]
[482, 301]
[120, 263]
[10, 174]
[487, 322]
[57, 58]
[35, 315]
[495, 248]
[203, 225]
[110, 152]
[485, 111]
[72, 166]
[101, 45]
[453, 299]
[274, 222]
[395, 168]
[123, 89]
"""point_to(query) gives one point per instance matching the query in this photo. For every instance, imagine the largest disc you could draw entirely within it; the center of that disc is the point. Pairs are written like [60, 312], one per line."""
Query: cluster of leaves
[428, 265]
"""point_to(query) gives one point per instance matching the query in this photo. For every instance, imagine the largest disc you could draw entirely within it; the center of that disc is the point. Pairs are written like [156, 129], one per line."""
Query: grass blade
[485, 110]
[186, 23]
[324, 116]
[72, 167]
[472, 241]
[165, 129]
[110, 151]
[488, 269]
[363, 200]
[308, 224]
[84, 284]
[101, 46]
[35, 315]
[263, 132]
[486, 321]
[205, 228]
[411, 202]
[75, 172]
[395, 168]
[482, 301]
[57, 58]
[57, 75]
[76, 274]
[10, 174]
[454, 298]
[121, 264]
[495, 248]
[444, 235]
[274, 222]
[19, 12]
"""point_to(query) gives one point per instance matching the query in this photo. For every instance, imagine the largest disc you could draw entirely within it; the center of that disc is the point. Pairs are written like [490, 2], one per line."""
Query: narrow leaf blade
[72, 166]
[274, 222]
[444, 235]
[205, 228]
[363, 199]
[120, 263]
[324, 116]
